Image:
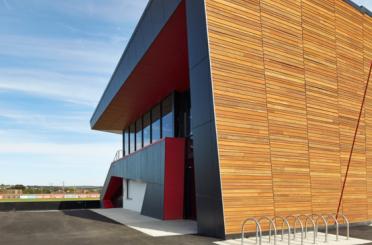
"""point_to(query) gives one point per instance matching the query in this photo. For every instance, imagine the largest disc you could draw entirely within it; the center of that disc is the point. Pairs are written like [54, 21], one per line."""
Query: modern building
[232, 109]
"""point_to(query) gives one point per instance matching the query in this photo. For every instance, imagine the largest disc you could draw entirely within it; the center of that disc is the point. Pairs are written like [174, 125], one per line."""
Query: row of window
[156, 124]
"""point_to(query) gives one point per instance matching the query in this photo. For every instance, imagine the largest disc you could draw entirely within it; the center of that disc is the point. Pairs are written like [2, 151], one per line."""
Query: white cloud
[80, 55]
[45, 163]
[109, 10]
[80, 89]
[58, 150]
[72, 70]
[73, 122]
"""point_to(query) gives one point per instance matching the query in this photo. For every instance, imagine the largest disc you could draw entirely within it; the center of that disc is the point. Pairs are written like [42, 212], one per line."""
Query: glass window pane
[139, 134]
[132, 141]
[125, 143]
[168, 119]
[128, 142]
[146, 129]
[155, 116]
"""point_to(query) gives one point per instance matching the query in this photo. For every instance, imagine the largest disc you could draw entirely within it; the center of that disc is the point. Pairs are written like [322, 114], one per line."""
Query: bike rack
[307, 218]
[347, 224]
[288, 226]
[297, 220]
[325, 223]
[336, 223]
[272, 224]
[258, 230]
[315, 220]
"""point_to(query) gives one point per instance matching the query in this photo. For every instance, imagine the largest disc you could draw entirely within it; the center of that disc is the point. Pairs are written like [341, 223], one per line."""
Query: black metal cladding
[207, 176]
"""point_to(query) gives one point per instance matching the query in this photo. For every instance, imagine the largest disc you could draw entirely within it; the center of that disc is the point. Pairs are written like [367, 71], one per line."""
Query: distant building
[231, 109]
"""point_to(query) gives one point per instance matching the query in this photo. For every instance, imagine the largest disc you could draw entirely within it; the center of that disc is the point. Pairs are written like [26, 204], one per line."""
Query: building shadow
[90, 215]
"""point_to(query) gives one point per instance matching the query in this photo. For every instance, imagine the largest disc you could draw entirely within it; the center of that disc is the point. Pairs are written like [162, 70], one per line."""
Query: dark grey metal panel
[155, 16]
[147, 165]
[207, 172]
[197, 38]
[201, 94]
[154, 202]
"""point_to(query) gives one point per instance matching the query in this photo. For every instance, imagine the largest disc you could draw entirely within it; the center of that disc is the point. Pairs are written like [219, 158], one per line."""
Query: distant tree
[19, 187]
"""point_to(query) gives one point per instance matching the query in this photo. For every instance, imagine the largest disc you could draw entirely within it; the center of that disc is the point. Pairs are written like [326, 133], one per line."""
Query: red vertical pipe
[352, 146]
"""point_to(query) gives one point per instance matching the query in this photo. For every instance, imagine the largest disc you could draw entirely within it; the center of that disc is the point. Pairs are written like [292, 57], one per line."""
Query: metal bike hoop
[346, 221]
[272, 225]
[288, 226]
[297, 220]
[336, 223]
[309, 218]
[326, 226]
[258, 230]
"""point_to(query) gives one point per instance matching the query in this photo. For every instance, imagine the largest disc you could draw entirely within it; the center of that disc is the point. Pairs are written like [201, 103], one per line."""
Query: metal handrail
[272, 224]
[288, 226]
[326, 226]
[118, 155]
[336, 223]
[307, 218]
[347, 224]
[297, 220]
[258, 230]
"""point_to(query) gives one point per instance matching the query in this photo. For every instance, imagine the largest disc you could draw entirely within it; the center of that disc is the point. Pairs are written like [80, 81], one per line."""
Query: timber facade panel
[288, 79]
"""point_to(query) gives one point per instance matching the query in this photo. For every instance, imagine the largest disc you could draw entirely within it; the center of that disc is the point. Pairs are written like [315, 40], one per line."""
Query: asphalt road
[77, 227]
[83, 227]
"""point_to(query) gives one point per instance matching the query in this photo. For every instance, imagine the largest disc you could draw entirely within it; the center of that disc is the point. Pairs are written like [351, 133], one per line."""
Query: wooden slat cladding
[319, 37]
[367, 34]
[236, 51]
[288, 79]
[286, 103]
[350, 71]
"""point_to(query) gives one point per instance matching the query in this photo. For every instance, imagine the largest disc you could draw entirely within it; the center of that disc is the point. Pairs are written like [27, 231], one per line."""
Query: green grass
[48, 200]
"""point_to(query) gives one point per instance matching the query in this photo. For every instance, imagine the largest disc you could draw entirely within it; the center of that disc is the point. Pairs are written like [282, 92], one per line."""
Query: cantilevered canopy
[162, 69]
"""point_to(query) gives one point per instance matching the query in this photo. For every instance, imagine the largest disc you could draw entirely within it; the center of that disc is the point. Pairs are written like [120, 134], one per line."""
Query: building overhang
[162, 69]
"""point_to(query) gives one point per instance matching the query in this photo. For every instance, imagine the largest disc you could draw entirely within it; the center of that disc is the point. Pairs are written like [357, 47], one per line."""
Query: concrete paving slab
[148, 225]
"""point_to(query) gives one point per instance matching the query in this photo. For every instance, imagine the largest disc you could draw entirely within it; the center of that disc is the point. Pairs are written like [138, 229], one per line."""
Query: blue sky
[56, 57]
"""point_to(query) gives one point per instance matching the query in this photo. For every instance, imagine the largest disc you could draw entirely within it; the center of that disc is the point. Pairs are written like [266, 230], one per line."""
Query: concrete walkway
[147, 225]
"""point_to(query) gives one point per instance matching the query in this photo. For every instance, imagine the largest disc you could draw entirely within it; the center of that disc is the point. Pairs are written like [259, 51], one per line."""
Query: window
[132, 141]
[155, 115]
[156, 124]
[125, 142]
[139, 134]
[168, 118]
[146, 129]
[127, 138]
[127, 185]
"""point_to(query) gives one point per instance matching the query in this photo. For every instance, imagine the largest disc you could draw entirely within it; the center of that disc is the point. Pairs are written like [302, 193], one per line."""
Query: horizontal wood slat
[288, 79]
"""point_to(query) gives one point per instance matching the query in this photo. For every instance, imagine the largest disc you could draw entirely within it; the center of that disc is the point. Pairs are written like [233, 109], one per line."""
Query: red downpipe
[352, 147]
